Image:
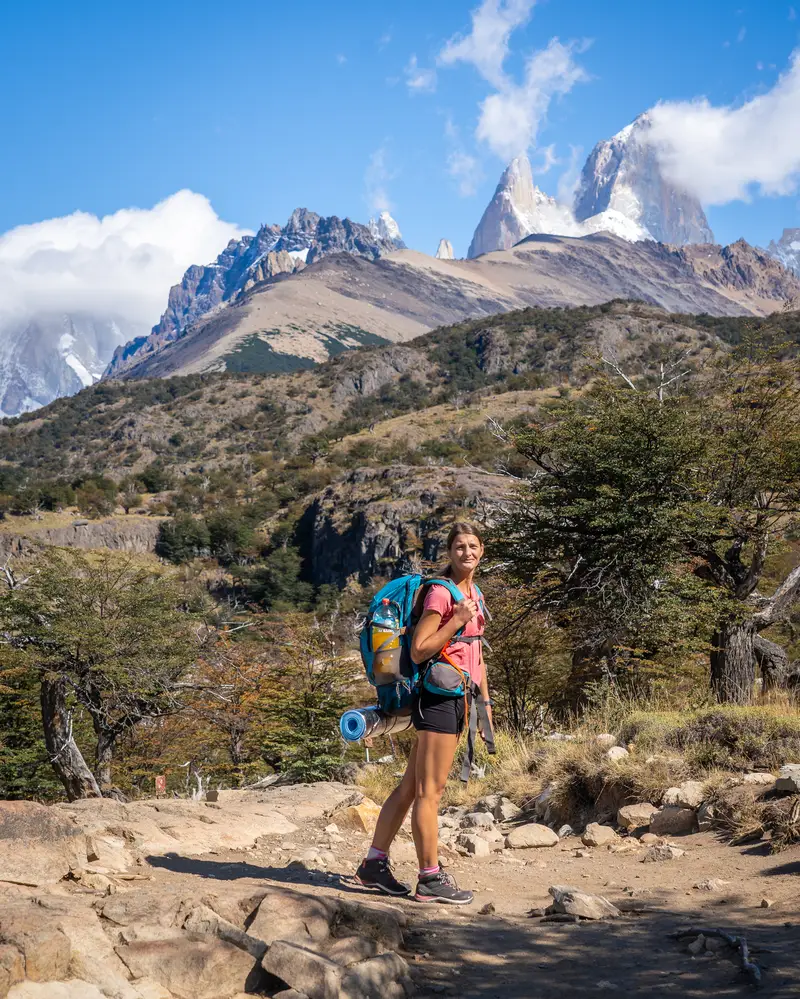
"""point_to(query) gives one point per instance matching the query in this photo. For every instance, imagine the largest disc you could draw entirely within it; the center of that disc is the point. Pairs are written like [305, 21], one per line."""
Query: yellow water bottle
[385, 632]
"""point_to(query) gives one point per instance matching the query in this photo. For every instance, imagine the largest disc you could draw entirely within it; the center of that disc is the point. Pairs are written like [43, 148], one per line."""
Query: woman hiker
[439, 721]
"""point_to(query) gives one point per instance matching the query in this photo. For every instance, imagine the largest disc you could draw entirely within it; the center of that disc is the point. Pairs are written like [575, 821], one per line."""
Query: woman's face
[466, 552]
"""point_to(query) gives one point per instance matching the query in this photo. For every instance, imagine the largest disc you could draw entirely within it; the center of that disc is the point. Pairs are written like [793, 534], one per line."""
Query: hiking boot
[441, 887]
[378, 874]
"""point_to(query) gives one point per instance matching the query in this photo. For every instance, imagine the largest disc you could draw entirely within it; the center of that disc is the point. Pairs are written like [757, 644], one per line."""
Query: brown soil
[509, 955]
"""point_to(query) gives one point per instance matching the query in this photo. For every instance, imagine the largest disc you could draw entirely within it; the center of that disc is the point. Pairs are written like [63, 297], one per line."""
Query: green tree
[101, 632]
[182, 539]
[306, 693]
[276, 582]
[630, 491]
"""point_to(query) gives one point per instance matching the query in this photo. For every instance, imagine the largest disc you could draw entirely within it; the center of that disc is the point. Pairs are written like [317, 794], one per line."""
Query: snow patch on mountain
[385, 227]
[519, 208]
[787, 250]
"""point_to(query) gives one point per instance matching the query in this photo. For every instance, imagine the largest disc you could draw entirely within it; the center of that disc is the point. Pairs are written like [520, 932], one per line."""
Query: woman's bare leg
[435, 754]
[396, 807]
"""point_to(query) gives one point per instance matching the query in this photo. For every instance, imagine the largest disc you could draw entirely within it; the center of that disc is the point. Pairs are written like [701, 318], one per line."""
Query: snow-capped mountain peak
[622, 174]
[787, 250]
[385, 227]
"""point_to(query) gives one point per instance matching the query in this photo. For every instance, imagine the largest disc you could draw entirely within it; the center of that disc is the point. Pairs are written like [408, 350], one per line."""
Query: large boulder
[673, 821]
[193, 966]
[316, 976]
[288, 915]
[689, 794]
[74, 989]
[531, 836]
[789, 780]
[636, 816]
[361, 818]
[38, 845]
[44, 948]
[598, 835]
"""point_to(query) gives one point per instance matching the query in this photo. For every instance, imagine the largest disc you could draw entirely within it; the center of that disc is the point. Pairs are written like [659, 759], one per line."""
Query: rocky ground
[253, 894]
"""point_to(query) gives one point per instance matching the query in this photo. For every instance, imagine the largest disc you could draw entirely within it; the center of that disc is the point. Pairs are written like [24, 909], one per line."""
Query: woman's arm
[431, 636]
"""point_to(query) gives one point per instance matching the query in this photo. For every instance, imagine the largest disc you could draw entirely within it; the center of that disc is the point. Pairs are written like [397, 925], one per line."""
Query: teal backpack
[405, 596]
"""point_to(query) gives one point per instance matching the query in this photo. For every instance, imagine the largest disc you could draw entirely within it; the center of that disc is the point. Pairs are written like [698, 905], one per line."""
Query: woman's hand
[465, 611]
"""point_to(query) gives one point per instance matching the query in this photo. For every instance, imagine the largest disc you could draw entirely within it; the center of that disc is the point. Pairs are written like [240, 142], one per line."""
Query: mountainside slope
[294, 321]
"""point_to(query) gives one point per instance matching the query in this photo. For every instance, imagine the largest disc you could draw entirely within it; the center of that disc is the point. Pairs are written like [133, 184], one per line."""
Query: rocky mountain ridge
[344, 300]
[252, 260]
[787, 250]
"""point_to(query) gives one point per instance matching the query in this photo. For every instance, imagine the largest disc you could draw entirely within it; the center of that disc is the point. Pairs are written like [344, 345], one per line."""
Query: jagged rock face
[371, 523]
[306, 238]
[385, 228]
[445, 250]
[520, 209]
[49, 356]
[787, 250]
[517, 210]
[623, 175]
[741, 266]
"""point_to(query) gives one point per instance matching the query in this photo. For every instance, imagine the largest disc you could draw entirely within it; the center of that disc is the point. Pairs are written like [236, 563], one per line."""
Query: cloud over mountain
[122, 264]
[721, 153]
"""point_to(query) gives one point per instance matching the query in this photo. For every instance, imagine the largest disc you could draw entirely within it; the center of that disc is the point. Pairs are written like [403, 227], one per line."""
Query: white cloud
[549, 161]
[376, 180]
[466, 171]
[121, 265]
[341, 58]
[510, 119]
[570, 178]
[418, 79]
[511, 116]
[742, 35]
[486, 46]
[721, 153]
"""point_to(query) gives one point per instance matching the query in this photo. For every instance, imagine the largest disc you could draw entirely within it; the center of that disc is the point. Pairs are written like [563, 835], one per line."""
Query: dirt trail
[462, 952]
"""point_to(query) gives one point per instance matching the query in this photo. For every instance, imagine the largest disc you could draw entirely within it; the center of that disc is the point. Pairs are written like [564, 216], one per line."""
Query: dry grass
[666, 748]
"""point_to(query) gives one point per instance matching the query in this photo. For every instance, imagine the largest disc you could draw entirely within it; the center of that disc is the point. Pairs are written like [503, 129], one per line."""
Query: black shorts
[435, 713]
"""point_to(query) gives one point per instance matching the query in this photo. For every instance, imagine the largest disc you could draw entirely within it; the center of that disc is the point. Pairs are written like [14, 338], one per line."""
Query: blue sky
[263, 107]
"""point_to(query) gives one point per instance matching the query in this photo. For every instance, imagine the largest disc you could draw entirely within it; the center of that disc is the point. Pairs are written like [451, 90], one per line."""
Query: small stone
[672, 821]
[758, 779]
[697, 946]
[689, 794]
[711, 884]
[575, 902]
[581, 854]
[488, 803]
[606, 739]
[361, 818]
[629, 845]
[449, 821]
[565, 831]
[767, 903]
[477, 820]
[789, 779]
[617, 753]
[649, 839]
[487, 910]
[714, 944]
[598, 835]
[531, 836]
[664, 851]
[635, 816]
[332, 829]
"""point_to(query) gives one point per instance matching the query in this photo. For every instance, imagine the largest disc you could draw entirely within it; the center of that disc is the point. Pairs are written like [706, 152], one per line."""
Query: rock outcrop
[129, 533]
[445, 250]
[367, 524]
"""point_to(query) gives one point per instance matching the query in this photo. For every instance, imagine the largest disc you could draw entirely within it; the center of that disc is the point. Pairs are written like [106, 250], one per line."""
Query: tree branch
[780, 602]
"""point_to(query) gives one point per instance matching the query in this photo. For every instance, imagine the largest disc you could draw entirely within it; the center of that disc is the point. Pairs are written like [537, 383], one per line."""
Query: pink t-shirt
[467, 655]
